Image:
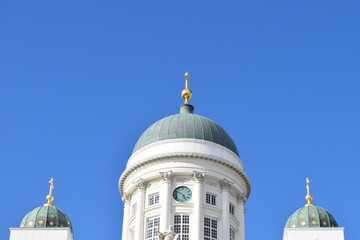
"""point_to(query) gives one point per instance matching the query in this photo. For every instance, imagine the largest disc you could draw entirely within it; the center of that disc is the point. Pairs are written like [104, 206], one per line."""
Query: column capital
[140, 184]
[198, 176]
[166, 176]
[225, 184]
[126, 198]
[241, 199]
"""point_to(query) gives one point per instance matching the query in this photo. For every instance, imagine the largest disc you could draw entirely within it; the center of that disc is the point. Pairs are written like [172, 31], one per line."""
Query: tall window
[181, 226]
[133, 209]
[152, 228]
[232, 234]
[153, 199]
[210, 229]
[232, 209]
[211, 199]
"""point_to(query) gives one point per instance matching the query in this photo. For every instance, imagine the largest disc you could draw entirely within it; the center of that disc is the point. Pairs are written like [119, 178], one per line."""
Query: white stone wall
[330, 233]
[40, 234]
[179, 159]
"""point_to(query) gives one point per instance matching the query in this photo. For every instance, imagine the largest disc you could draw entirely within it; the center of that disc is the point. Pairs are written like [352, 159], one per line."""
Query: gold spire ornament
[186, 94]
[308, 197]
[50, 197]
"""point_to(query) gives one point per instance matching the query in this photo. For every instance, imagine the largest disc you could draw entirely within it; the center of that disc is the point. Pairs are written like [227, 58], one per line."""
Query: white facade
[40, 234]
[328, 233]
[215, 176]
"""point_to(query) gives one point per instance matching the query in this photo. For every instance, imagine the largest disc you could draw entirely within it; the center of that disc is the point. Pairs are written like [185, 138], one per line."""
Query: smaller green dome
[311, 216]
[46, 217]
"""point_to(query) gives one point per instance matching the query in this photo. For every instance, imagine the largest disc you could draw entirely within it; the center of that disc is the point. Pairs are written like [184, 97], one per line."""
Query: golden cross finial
[308, 197]
[308, 186]
[50, 197]
[186, 93]
[186, 80]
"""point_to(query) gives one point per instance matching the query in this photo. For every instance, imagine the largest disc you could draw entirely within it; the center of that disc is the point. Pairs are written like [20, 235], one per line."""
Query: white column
[126, 200]
[225, 186]
[139, 221]
[197, 220]
[240, 211]
[165, 197]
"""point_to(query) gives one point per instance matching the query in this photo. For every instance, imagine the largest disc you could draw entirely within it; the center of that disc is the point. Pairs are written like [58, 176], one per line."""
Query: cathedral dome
[186, 125]
[311, 216]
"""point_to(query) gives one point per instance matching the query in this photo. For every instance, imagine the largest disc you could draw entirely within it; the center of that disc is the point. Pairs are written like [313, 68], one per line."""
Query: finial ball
[186, 94]
[186, 74]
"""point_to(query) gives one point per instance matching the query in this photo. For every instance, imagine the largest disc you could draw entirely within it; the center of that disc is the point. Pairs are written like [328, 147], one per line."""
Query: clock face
[182, 194]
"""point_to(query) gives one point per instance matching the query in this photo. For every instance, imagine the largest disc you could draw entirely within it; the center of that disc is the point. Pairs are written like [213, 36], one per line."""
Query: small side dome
[311, 216]
[186, 125]
[46, 217]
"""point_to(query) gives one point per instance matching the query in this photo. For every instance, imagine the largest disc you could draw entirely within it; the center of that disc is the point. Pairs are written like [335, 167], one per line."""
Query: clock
[182, 194]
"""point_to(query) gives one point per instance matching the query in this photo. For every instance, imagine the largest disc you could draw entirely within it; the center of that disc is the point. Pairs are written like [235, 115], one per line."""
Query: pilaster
[166, 200]
[139, 221]
[240, 211]
[225, 186]
[126, 199]
[198, 178]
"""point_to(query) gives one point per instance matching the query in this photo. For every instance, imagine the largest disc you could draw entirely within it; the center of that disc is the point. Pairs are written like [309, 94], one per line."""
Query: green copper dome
[46, 217]
[186, 125]
[311, 216]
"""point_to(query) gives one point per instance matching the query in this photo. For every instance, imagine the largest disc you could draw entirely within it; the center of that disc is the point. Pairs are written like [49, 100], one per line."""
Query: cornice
[160, 158]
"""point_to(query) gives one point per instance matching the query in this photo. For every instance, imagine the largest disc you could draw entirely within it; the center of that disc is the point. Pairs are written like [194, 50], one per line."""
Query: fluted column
[139, 221]
[225, 186]
[165, 196]
[126, 200]
[240, 211]
[198, 178]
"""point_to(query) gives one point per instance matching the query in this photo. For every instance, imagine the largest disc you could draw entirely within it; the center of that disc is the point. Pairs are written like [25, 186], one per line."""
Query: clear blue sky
[81, 80]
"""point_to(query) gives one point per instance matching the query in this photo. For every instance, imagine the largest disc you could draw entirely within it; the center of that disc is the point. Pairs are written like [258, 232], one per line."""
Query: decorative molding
[241, 199]
[140, 184]
[157, 159]
[166, 176]
[213, 184]
[126, 198]
[182, 179]
[225, 184]
[198, 176]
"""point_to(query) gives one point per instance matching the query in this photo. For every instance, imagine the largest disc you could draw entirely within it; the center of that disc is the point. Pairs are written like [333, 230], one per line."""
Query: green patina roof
[311, 216]
[186, 125]
[46, 217]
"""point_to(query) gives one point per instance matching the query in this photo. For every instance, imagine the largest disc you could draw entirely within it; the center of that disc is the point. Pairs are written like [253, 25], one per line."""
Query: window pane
[210, 229]
[152, 228]
[181, 226]
[153, 199]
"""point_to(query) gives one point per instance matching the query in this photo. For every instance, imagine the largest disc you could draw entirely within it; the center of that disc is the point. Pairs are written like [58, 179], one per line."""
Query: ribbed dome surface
[186, 125]
[311, 216]
[46, 217]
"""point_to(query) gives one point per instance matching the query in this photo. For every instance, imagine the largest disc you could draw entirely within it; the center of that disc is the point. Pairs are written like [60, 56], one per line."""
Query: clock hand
[183, 196]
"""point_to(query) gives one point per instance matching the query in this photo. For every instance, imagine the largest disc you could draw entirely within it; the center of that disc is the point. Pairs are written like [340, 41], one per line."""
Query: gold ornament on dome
[308, 197]
[186, 94]
[50, 197]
